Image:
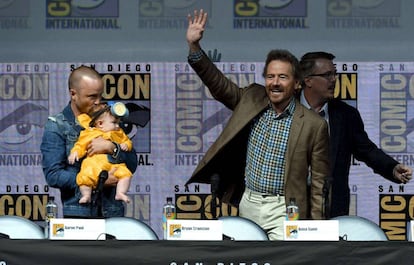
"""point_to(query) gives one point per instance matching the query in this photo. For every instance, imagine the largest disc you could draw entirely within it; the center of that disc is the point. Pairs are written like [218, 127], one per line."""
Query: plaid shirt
[266, 149]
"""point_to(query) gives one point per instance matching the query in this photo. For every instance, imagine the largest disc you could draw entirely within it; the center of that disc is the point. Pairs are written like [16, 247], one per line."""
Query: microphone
[325, 198]
[103, 176]
[107, 236]
[110, 237]
[214, 186]
[4, 236]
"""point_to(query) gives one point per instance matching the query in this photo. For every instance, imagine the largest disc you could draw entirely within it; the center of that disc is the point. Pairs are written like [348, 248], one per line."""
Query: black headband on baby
[118, 109]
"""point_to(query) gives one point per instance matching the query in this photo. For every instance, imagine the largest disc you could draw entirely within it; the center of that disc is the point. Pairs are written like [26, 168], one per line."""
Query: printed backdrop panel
[174, 121]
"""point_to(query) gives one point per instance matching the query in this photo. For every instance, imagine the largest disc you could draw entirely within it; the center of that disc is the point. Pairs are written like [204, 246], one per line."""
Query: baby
[102, 123]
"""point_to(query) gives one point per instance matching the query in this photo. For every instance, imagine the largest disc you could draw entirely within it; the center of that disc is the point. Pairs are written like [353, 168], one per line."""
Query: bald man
[61, 132]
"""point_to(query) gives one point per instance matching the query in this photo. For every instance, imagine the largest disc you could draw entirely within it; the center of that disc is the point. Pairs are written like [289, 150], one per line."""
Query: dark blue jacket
[60, 134]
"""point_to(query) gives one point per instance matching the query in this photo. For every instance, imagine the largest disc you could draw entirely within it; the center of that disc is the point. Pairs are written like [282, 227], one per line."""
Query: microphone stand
[97, 195]
[214, 185]
[325, 197]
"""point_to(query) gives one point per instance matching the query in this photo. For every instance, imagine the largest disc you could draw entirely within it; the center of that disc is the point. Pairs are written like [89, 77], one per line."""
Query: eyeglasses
[328, 75]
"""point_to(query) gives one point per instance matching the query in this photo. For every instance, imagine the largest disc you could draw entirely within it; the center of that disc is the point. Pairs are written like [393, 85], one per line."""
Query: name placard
[194, 230]
[77, 229]
[311, 230]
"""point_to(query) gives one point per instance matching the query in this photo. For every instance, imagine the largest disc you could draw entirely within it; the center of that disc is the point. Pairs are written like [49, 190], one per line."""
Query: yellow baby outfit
[93, 165]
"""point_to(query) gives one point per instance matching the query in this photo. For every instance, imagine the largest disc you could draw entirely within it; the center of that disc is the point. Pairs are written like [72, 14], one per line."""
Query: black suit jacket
[348, 137]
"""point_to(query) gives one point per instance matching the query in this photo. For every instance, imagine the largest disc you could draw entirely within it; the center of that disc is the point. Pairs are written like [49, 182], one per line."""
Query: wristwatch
[115, 151]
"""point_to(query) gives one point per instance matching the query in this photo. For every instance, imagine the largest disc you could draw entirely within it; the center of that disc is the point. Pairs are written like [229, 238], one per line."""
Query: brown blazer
[308, 144]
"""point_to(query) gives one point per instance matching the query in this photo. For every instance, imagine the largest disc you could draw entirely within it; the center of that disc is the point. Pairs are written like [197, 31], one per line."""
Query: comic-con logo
[24, 96]
[82, 14]
[270, 14]
[134, 90]
[292, 231]
[30, 206]
[168, 14]
[395, 211]
[396, 122]
[140, 207]
[346, 87]
[199, 118]
[363, 13]
[199, 207]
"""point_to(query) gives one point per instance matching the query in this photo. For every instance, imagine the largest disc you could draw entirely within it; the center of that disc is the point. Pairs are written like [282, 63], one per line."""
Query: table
[110, 252]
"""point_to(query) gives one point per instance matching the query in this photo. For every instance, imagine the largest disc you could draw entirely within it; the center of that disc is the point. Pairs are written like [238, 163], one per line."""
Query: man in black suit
[346, 131]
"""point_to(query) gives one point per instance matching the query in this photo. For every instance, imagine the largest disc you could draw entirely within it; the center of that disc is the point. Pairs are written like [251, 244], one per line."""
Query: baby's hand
[73, 157]
[124, 147]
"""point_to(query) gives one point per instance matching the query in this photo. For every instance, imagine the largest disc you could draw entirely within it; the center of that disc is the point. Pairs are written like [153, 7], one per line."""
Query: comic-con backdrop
[139, 48]
[173, 120]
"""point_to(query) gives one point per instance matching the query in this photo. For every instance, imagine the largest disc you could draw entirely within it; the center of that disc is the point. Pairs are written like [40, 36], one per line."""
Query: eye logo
[138, 116]
[86, 3]
[20, 130]
[368, 3]
[5, 3]
[170, 8]
[14, 13]
[82, 8]
[179, 3]
[274, 3]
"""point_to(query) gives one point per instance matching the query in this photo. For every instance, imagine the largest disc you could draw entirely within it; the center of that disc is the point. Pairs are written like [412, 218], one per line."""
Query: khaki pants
[266, 210]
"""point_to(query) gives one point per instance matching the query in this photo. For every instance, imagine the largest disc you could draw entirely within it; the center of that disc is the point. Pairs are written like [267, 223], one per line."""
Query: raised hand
[196, 25]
